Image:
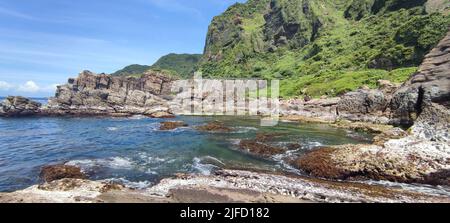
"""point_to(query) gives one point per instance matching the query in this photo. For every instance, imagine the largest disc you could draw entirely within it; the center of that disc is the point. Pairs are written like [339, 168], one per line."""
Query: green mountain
[182, 64]
[323, 47]
[132, 70]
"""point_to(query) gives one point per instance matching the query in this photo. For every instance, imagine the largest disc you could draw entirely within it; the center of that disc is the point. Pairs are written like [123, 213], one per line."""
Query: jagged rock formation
[431, 84]
[18, 106]
[92, 94]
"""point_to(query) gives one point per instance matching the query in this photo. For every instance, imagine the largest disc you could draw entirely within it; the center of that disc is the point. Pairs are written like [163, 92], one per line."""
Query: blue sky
[42, 43]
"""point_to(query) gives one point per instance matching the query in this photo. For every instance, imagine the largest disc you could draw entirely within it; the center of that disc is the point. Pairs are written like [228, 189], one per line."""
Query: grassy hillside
[323, 47]
[132, 70]
[181, 65]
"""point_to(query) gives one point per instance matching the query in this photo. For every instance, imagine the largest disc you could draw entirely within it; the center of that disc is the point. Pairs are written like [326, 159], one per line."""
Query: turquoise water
[133, 151]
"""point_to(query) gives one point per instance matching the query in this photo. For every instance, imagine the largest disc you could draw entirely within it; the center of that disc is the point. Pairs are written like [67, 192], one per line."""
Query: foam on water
[112, 129]
[113, 163]
[204, 169]
[130, 184]
[150, 159]
[421, 188]
[243, 129]
[137, 117]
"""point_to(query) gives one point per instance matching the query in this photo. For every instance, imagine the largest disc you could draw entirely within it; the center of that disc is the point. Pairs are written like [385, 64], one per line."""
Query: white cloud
[29, 87]
[4, 86]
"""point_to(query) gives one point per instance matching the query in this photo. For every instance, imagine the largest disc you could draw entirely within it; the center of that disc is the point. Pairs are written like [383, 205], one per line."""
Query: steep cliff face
[237, 28]
[91, 93]
[306, 43]
[292, 23]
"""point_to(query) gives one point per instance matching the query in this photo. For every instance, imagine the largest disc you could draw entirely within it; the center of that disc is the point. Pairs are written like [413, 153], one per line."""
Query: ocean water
[133, 150]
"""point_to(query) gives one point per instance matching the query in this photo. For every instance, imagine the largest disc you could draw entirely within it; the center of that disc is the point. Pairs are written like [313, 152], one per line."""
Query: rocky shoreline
[418, 153]
[224, 186]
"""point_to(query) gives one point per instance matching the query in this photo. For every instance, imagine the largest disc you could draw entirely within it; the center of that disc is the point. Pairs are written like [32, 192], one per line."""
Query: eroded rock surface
[92, 94]
[19, 106]
[58, 172]
[431, 84]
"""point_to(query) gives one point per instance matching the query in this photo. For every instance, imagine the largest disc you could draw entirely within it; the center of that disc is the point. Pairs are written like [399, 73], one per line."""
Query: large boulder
[19, 106]
[365, 105]
[362, 101]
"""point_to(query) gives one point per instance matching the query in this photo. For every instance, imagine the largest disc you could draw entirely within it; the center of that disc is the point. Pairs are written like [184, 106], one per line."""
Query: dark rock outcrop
[19, 106]
[431, 84]
[58, 172]
[92, 94]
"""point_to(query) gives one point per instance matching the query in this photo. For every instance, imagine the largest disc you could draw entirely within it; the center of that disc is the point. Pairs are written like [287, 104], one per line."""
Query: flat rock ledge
[224, 186]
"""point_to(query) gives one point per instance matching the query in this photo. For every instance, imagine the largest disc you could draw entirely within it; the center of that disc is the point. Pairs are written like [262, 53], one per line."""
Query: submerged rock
[58, 172]
[172, 125]
[260, 149]
[215, 126]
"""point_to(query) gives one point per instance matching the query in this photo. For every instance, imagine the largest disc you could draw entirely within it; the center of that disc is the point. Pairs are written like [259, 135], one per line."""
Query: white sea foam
[312, 145]
[130, 184]
[137, 117]
[204, 169]
[242, 129]
[426, 189]
[112, 129]
[114, 163]
[280, 159]
[150, 159]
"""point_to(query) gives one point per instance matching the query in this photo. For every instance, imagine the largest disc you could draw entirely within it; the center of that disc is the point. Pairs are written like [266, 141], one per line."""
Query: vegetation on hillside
[132, 70]
[322, 47]
[180, 65]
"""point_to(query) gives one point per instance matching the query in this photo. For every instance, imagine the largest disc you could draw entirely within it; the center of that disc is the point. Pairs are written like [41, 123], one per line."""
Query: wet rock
[260, 149]
[319, 163]
[439, 178]
[57, 172]
[215, 126]
[172, 125]
[161, 114]
[19, 106]
[293, 146]
[363, 126]
[395, 133]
